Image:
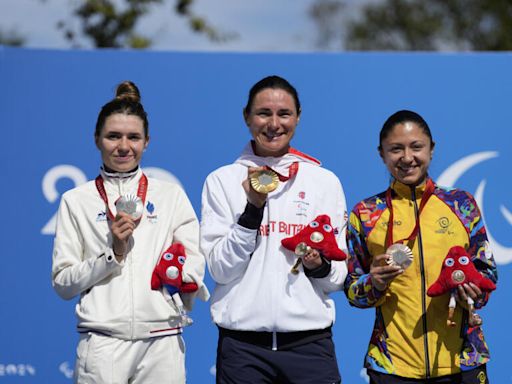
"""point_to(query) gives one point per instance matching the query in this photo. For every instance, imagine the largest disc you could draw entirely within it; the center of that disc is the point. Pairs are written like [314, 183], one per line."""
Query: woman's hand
[312, 259]
[382, 273]
[467, 290]
[255, 198]
[122, 228]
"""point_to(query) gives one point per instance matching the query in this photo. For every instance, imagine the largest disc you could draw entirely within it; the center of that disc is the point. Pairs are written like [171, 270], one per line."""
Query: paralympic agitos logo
[449, 178]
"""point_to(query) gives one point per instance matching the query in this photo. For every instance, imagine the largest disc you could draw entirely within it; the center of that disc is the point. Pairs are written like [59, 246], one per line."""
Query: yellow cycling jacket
[410, 336]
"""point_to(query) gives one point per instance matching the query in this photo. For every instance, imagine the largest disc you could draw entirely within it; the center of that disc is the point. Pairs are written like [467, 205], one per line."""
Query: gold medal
[264, 181]
[316, 237]
[301, 249]
[399, 254]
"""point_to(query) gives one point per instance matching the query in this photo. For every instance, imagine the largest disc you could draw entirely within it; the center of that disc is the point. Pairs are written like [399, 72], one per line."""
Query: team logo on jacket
[101, 216]
[396, 223]
[301, 208]
[150, 207]
[301, 205]
[444, 226]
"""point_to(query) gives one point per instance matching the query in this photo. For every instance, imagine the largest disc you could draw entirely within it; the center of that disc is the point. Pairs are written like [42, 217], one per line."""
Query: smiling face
[407, 151]
[121, 142]
[272, 119]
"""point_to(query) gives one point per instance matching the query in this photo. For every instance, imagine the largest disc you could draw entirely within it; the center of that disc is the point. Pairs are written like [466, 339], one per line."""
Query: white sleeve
[227, 245]
[338, 213]
[71, 274]
[186, 231]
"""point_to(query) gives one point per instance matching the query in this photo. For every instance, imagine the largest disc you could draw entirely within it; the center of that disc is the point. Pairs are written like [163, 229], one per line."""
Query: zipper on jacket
[423, 286]
[129, 261]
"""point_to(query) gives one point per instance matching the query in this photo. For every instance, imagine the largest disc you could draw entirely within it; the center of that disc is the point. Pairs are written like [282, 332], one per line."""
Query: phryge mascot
[168, 274]
[319, 235]
[458, 269]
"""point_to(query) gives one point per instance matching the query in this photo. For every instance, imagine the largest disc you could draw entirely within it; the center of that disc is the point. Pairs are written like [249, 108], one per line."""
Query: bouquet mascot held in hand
[318, 235]
[168, 274]
[458, 269]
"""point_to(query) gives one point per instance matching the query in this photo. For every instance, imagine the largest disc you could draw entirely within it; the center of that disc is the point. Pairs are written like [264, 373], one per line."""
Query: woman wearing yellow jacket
[411, 342]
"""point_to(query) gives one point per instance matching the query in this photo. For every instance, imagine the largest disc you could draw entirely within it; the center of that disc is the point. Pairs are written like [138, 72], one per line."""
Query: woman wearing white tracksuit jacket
[274, 326]
[128, 332]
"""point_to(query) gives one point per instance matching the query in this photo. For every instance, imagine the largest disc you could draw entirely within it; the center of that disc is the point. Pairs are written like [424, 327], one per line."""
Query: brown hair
[273, 82]
[126, 101]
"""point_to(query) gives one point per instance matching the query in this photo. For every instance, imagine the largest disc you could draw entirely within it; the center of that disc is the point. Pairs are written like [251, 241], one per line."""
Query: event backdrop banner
[49, 101]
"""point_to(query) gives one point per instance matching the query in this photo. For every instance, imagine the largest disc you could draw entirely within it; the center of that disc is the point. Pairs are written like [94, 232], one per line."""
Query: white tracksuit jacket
[116, 299]
[255, 290]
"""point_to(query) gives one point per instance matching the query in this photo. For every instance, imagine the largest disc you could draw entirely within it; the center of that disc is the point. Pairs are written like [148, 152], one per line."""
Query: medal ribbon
[292, 171]
[429, 190]
[141, 192]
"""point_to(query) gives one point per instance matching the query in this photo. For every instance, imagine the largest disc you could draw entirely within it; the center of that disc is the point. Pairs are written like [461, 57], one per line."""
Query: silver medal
[130, 204]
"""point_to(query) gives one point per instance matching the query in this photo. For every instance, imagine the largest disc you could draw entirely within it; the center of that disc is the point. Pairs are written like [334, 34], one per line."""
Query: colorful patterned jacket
[410, 336]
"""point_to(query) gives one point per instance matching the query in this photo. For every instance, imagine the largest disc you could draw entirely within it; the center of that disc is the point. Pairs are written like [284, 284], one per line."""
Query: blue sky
[262, 25]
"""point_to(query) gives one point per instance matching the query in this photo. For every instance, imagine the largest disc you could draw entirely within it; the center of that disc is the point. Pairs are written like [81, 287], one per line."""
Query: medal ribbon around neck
[292, 171]
[429, 190]
[141, 192]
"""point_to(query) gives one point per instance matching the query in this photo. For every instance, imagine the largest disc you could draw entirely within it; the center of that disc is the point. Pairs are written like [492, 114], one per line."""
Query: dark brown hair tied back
[126, 101]
[128, 90]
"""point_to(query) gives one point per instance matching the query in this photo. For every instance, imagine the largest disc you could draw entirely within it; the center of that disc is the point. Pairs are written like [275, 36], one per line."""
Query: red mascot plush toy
[168, 274]
[458, 269]
[318, 235]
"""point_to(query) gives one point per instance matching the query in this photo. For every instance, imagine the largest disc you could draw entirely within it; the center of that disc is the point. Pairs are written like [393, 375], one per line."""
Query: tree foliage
[11, 38]
[478, 25]
[328, 15]
[109, 24]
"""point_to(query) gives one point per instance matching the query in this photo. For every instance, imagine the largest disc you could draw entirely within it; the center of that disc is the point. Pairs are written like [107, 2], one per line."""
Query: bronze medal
[399, 254]
[458, 276]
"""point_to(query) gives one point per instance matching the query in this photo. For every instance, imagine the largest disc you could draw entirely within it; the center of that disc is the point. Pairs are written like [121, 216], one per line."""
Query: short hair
[273, 82]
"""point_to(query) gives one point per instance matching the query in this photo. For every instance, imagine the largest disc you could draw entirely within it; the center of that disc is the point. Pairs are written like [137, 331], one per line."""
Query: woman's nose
[123, 144]
[274, 121]
[408, 157]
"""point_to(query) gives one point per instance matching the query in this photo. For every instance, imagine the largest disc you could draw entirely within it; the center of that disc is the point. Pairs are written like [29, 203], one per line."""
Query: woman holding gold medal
[398, 241]
[109, 237]
[274, 325]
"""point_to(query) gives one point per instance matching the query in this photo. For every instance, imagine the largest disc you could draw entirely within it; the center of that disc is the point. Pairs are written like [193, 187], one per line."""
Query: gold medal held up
[264, 181]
